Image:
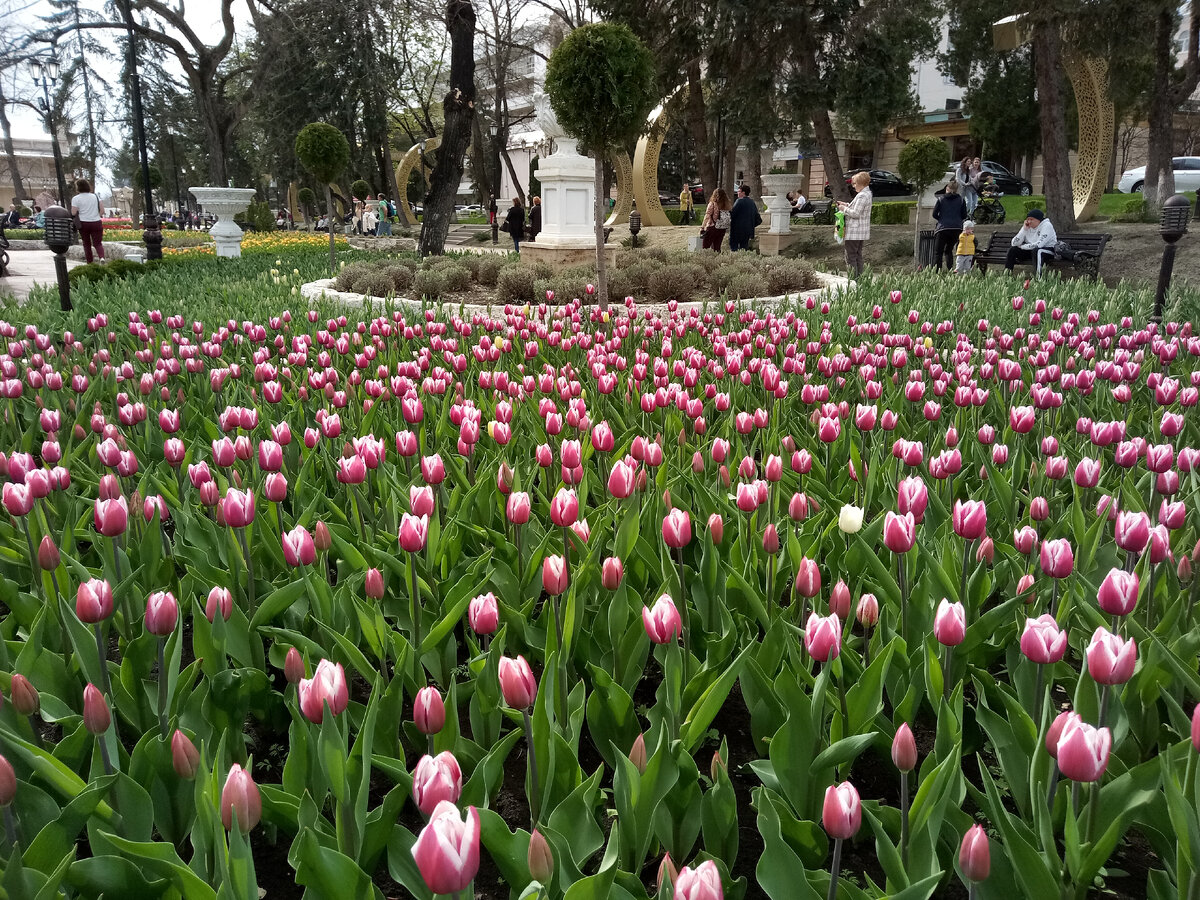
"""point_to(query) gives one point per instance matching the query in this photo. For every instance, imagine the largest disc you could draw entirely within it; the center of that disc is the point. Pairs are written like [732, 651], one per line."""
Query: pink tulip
[241, 798]
[238, 508]
[420, 500]
[518, 507]
[18, 500]
[1132, 531]
[447, 850]
[970, 519]
[1020, 418]
[1111, 659]
[1039, 509]
[373, 584]
[517, 683]
[1025, 539]
[327, 686]
[1042, 641]
[904, 749]
[823, 637]
[621, 480]
[716, 527]
[555, 576]
[700, 883]
[950, 623]
[111, 517]
[96, 714]
[677, 529]
[808, 578]
[414, 530]
[1118, 593]
[899, 531]
[913, 497]
[841, 814]
[429, 711]
[220, 601]
[828, 429]
[1057, 727]
[433, 470]
[747, 497]
[612, 572]
[484, 614]
[436, 779]
[162, 612]
[974, 856]
[93, 601]
[1087, 473]
[1058, 559]
[270, 456]
[1083, 750]
[298, 547]
[185, 758]
[564, 508]
[662, 622]
[867, 611]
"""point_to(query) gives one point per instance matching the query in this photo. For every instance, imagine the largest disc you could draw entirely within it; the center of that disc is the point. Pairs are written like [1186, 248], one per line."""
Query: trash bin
[926, 255]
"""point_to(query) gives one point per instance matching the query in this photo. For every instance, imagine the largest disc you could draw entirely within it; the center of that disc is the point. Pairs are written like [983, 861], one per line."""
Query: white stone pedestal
[224, 203]
[775, 188]
[568, 183]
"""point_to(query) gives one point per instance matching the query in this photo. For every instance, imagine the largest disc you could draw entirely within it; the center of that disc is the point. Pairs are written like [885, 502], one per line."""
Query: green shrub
[487, 270]
[669, 283]
[1030, 205]
[515, 283]
[746, 284]
[1132, 210]
[375, 283]
[402, 277]
[350, 274]
[430, 284]
[457, 278]
[113, 270]
[674, 214]
[891, 213]
[360, 189]
[785, 276]
[898, 249]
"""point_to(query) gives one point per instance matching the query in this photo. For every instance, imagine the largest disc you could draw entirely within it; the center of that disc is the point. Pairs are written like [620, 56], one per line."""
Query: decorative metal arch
[415, 154]
[624, 205]
[1089, 80]
[645, 163]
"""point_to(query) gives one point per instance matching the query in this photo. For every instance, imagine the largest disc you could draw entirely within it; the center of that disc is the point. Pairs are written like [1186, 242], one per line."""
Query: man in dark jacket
[743, 219]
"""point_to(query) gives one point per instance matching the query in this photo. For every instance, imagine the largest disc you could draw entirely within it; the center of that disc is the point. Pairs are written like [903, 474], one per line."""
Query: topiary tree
[601, 85]
[360, 189]
[923, 161]
[324, 152]
[307, 200]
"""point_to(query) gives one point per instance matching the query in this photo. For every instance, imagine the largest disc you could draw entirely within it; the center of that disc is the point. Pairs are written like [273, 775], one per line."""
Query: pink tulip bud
[483, 614]
[677, 529]
[970, 519]
[8, 783]
[414, 531]
[899, 531]
[823, 637]
[904, 749]
[1111, 659]
[517, 683]
[96, 715]
[662, 622]
[517, 508]
[1058, 559]
[1196, 728]
[867, 611]
[25, 697]
[327, 687]
[1042, 641]
[808, 578]
[1056, 729]
[950, 623]
[798, 507]
[612, 571]
[429, 711]
[771, 539]
[716, 528]
[373, 584]
[1083, 750]
[48, 555]
[700, 883]
[240, 798]
[839, 600]
[162, 612]
[555, 576]
[185, 758]
[436, 779]
[293, 666]
[637, 754]
[540, 858]
[1118, 594]
[841, 814]
[447, 850]
[93, 601]
[974, 857]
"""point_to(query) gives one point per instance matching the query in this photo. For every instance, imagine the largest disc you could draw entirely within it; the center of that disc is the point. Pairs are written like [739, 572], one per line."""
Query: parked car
[883, 183]
[1003, 181]
[666, 198]
[1187, 176]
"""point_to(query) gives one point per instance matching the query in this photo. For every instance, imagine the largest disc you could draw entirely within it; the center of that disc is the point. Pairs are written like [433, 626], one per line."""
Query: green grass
[1110, 205]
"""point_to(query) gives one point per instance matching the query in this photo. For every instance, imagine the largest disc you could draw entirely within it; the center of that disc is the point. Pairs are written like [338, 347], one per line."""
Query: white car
[1187, 176]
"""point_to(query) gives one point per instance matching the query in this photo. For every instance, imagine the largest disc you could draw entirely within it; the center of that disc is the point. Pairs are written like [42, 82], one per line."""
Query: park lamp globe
[1176, 211]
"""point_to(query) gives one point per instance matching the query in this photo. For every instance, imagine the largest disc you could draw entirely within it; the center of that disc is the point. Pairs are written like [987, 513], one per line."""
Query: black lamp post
[59, 234]
[1171, 227]
[495, 130]
[152, 236]
[635, 224]
[45, 75]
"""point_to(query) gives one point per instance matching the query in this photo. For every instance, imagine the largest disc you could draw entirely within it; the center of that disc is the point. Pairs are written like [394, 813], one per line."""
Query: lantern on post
[635, 224]
[59, 235]
[1176, 211]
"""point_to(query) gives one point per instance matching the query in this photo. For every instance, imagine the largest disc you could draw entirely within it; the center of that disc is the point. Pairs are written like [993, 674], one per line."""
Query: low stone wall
[112, 249]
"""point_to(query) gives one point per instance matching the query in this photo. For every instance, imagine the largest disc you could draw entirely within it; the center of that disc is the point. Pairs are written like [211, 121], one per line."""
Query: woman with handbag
[85, 207]
[716, 221]
[514, 223]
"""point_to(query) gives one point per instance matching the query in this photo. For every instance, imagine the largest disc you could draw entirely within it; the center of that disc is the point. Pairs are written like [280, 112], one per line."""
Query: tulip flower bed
[886, 595]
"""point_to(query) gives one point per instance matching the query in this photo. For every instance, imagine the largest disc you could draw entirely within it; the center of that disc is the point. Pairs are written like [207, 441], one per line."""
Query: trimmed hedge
[891, 213]
[112, 270]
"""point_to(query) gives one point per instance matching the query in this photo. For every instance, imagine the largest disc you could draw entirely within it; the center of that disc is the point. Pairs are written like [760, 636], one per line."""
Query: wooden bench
[822, 213]
[1088, 247]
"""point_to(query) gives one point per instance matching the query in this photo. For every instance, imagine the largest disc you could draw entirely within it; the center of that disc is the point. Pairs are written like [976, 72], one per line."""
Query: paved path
[27, 268]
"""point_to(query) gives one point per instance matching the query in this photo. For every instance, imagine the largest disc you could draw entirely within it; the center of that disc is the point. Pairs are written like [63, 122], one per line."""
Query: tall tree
[458, 108]
[67, 13]
[1174, 82]
[11, 53]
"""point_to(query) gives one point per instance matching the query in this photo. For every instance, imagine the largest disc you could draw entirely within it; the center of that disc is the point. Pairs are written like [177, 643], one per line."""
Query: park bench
[822, 213]
[1088, 247]
[3, 252]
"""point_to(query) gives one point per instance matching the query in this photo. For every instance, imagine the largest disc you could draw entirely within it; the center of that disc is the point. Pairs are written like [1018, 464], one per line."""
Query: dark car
[668, 199]
[883, 184]
[1002, 180]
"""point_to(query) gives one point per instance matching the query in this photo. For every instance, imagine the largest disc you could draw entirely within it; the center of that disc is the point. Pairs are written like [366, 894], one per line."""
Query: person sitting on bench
[1033, 243]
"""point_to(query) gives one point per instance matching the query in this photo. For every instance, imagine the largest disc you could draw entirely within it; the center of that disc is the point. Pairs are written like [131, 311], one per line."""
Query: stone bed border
[323, 288]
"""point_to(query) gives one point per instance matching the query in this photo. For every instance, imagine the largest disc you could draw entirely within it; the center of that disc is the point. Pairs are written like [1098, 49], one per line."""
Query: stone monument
[224, 203]
[568, 180]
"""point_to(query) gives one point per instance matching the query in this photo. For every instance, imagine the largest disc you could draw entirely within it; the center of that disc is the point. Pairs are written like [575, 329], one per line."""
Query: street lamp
[494, 128]
[635, 224]
[45, 74]
[152, 236]
[1172, 226]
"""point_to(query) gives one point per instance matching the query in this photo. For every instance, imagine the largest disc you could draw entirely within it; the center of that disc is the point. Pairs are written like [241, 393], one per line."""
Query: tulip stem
[683, 609]
[1093, 809]
[10, 826]
[1039, 696]
[535, 797]
[125, 608]
[972, 891]
[1053, 787]
[1075, 797]
[33, 561]
[962, 583]
[834, 868]
[1105, 691]
[102, 656]
[162, 687]
[946, 672]
[901, 565]
[107, 760]
[244, 543]
[904, 818]
[416, 609]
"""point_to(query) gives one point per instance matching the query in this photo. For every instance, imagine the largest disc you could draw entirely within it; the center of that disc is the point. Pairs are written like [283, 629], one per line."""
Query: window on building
[953, 103]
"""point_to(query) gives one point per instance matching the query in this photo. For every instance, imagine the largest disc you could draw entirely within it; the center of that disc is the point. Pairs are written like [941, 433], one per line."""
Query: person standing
[685, 205]
[858, 221]
[1034, 242]
[535, 218]
[492, 209]
[949, 212]
[965, 257]
[743, 219]
[716, 221]
[369, 219]
[514, 223]
[384, 225]
[966, 188]
[85, 207]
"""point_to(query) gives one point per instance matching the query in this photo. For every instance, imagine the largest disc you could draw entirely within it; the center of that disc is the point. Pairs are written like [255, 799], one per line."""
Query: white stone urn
[225, 203]
[775, 189]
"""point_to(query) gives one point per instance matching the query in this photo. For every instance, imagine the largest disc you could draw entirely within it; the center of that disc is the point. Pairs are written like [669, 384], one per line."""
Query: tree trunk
[756, 172]
[1112, 159]
[512, 173]
[9, 154]
[1056, 167]
[459, 108]
[87, 95]
[389, 181]
[729, 173]
[834, 174]
[698, 127]
[601, 262]
[330, 220]
[214, 132]
[1160, 138]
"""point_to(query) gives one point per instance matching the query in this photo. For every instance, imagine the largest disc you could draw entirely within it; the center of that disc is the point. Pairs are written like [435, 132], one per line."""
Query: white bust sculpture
[544, 114]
